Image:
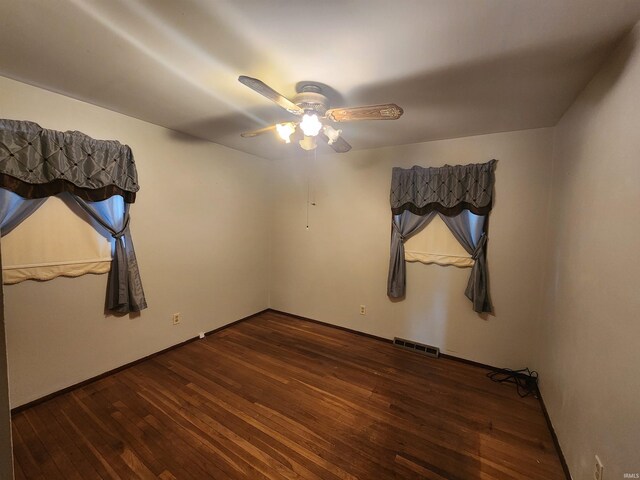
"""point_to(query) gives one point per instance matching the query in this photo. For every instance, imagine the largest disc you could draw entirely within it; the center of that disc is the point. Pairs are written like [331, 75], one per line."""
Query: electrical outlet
[598, 470]
[176, 318]
[363, 310]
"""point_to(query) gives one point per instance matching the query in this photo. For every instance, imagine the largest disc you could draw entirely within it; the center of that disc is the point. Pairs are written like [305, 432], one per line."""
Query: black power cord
[526, 381]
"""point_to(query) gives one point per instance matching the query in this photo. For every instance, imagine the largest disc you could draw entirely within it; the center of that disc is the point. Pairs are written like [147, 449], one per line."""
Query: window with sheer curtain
[435, 244]
[97, 180]
[58, 239]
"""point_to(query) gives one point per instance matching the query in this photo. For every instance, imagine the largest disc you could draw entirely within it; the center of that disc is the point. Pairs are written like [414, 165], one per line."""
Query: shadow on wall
[236, 123]
[532, 74]
[625, 50]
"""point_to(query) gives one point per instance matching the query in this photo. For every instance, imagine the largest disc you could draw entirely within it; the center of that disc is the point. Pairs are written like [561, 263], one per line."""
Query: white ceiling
[457, 67]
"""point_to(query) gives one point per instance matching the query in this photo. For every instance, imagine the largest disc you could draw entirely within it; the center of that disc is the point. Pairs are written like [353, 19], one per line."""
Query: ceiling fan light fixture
[310, 124]
[312, 104]
[331, 133]
[285, 130]
[308, 143]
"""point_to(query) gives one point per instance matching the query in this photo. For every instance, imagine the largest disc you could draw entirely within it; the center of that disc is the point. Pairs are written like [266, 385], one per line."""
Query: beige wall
[342, 261]
[590, 345]
[6, 459]
[200, 230]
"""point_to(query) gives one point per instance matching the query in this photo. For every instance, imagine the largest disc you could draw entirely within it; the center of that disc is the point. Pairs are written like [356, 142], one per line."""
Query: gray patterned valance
[36, 163]
[448, 189]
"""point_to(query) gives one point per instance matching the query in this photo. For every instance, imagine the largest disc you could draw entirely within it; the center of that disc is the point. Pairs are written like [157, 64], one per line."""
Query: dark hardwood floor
[277, 397]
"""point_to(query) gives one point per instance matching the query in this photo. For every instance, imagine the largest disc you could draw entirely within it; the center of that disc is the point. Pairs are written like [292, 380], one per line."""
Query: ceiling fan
[313, 107]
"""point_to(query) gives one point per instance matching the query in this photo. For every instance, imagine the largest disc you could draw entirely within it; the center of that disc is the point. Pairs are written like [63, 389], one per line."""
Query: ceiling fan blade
[266, 91]
[255, 133]
[340, 145]
[388, 111]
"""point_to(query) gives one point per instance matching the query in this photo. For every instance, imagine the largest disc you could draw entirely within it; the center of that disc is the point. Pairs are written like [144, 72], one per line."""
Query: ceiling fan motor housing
[311, 99]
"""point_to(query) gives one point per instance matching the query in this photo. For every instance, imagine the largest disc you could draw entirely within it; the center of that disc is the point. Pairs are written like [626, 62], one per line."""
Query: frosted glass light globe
[285, 130]
[310, 125]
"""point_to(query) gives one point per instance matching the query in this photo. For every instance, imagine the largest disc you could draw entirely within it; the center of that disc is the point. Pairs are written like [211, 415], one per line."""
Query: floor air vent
[417, 347]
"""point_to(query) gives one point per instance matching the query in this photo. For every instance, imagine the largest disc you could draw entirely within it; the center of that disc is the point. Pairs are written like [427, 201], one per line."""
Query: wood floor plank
[132, 407]
[36, 446]
[22, 456]
[210, 433]
[18, 474]
[135, 453]
[182, 442]
[276, 397]
[259, 416]
[51, 441]
[81, 461]
[88, 452]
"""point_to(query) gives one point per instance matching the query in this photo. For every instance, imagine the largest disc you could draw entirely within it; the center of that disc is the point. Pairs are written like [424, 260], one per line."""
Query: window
[58, 239]
[436, 244]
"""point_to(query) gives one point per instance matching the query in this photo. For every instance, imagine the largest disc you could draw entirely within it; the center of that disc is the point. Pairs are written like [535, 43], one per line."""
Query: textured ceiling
[457, 67]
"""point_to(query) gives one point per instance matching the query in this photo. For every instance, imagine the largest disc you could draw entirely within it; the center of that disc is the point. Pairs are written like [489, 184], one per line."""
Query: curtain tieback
[397, 229]
[480, 247]
[120, 234]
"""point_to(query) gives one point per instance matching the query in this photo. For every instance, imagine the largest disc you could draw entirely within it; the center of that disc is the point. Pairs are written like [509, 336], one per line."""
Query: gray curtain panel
[468, 229]
[14, 210]
[124, 286]
[403, 227]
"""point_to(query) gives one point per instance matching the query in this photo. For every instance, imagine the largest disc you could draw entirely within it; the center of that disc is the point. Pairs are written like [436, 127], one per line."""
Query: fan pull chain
[309, 166]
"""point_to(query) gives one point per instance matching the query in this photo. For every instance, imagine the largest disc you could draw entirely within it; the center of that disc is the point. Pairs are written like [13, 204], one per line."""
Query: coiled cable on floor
[526, 381]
